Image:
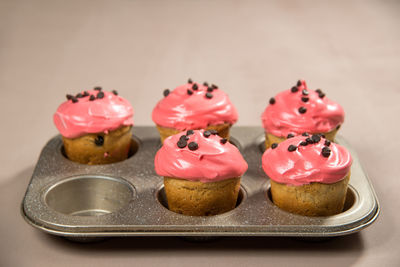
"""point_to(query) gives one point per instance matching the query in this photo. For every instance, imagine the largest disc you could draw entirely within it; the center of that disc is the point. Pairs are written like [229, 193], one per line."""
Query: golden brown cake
[314, 199]
[197, 198]
[99, 148]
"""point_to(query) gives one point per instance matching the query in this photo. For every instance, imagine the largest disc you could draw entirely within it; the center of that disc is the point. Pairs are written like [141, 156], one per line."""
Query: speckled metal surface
[125, 199]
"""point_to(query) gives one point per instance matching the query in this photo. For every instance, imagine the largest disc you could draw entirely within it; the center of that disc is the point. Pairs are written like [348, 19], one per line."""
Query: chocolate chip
[209, 95]
[304, 92]
[326, 151]
[223, 141]
[207, 134]
[99, 141]
[195, 87]
[189, 132]
[189, 92]
[184, 137]
[115, 92]
[272, 100]
[85, 93]
[290, 135]
[294, 89]
[325, 148]
[304, 99]
[327, 143]
[79, 95]
[214, 132]
[292, 148]
[193, 146]
[214, 86]
[315, 138]
[181, 143]
[69, 97]
[190, 80]
[303, 143]
[210, 89]
[98, 88]
[322, 135]
[320, 93]
[274, 145]
[302, 110]
[205, 83]
[100, 95]
[92, 97]
[338, 127]
[166, 92]
[305, 134]
[299, 83]
[309, 140]
[74, 99]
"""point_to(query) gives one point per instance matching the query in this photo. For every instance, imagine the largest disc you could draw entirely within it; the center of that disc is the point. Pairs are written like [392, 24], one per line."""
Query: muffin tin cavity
[162, 198]
[134, 146]
[127, 198]
[89, 195]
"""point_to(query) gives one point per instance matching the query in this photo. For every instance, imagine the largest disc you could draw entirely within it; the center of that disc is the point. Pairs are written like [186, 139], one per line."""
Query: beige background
[251, 49]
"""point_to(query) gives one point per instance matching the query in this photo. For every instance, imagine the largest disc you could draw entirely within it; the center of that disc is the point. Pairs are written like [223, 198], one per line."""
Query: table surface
[252, 50]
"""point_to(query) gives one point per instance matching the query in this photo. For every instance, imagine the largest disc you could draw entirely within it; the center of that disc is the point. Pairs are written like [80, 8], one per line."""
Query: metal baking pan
[127, 198]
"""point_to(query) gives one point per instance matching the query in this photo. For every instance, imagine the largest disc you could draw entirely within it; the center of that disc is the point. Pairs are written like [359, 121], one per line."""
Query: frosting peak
[299, 110]
[92, 111]
[197, 157]
[305, 159]
[194, 106]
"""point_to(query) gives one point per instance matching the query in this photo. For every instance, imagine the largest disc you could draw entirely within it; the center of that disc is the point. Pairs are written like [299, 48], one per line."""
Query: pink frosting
[212, 161]
[306, 164]
[283, 117]
[180, 110]
[100, 115]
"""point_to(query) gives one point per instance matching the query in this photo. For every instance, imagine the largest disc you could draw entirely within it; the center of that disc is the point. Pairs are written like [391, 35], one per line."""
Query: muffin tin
[127, 198]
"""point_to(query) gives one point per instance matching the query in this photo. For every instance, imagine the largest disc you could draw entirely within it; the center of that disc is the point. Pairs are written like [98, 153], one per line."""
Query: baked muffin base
[270, 138]
[222, 129]
[315, 199]
[115, 147]
[201, 199]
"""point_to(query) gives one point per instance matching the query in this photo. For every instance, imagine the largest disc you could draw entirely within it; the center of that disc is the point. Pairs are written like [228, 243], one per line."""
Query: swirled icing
[283, 117]
[100, 115]
[212, 161]
[182, 111]
[306, 164]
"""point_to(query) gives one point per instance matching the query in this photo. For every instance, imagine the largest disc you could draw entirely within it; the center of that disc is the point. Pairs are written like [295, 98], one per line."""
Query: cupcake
[309, 175]
[194, 106]
[201, 172]
[95, 126]
[299, 110]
